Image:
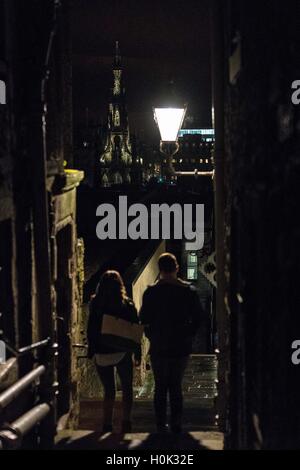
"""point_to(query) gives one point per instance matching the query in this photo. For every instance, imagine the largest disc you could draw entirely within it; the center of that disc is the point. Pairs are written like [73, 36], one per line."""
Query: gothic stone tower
[116, 159]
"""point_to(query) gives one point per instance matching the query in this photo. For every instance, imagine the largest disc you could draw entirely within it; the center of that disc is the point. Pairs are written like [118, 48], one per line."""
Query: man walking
[171, 312]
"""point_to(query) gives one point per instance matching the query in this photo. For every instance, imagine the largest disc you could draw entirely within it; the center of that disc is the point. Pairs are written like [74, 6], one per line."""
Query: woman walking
[111, 298]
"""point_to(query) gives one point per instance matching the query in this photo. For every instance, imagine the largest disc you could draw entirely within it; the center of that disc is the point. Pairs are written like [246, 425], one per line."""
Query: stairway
[200, 390]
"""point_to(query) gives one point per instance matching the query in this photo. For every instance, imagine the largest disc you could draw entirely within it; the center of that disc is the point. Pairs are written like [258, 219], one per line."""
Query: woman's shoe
[126, 427]
[107, 428]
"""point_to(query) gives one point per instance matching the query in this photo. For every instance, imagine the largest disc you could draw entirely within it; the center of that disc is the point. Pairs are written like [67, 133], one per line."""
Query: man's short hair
[167, 263]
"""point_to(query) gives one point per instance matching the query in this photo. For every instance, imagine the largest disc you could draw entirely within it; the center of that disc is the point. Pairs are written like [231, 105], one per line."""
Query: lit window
[192, 266]
[206, 161]
[192, 274]
[2, 92]
[192, 257]
[183, 132]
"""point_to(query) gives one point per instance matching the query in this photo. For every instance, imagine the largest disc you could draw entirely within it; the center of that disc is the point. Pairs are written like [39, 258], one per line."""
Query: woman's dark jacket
[126, 311]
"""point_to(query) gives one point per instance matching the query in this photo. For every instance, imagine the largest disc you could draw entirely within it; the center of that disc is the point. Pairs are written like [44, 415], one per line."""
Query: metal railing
[17, 388]
[11, 435]
[26, 349]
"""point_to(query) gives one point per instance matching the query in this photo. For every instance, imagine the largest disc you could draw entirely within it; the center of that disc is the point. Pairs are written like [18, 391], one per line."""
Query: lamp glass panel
[169, 121]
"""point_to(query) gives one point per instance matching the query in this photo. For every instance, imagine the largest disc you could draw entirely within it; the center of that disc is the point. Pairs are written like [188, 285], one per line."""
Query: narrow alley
[149, 226]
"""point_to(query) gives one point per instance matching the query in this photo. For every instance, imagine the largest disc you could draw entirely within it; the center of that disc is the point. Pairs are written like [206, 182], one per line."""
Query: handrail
[26, 349]
[11, 436]
[14, 390]
[33, 346]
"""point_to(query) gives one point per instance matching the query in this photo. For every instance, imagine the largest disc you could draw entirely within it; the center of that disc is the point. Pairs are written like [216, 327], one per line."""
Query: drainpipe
[218, 74]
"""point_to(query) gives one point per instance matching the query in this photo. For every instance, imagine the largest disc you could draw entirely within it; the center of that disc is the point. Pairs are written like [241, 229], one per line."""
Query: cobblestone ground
[200, 425]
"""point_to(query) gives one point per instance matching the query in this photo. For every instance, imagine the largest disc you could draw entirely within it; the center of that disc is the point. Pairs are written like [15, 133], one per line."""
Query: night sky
[159, 40]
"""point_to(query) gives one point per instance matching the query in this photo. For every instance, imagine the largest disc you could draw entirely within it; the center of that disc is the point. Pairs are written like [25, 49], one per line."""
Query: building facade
[195, 150]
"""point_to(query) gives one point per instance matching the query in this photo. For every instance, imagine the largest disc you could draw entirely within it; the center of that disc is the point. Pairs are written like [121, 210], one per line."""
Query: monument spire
[117, 54]
[116, 159]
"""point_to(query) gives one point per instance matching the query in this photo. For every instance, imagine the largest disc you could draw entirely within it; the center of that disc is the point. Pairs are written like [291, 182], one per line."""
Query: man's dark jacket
[172, 313]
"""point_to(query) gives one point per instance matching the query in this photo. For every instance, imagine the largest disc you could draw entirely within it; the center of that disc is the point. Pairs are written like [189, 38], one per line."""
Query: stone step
[196, 382]
[196, 416]
[88, 439]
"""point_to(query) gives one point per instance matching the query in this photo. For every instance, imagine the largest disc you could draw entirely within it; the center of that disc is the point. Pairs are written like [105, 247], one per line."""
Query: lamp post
[169, 121]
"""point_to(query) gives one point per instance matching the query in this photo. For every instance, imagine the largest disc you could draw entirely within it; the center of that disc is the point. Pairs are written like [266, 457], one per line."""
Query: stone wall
[38, 198]
[68, 277]
[262, 222]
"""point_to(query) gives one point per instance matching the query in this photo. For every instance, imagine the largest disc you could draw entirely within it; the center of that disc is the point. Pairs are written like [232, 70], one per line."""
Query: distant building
[199, 268]
[116, 159]
[195, 150]
[88, 144]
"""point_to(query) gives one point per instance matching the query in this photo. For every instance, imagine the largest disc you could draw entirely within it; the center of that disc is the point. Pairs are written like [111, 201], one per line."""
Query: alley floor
[200, 421]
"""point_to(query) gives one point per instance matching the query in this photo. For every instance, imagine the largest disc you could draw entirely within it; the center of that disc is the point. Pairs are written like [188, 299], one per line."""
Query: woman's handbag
[120, 334]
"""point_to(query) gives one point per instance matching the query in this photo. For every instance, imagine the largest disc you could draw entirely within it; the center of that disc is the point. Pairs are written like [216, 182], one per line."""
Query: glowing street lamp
[169, 121]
